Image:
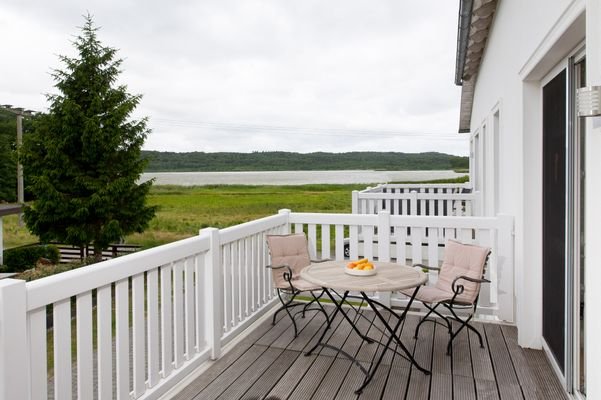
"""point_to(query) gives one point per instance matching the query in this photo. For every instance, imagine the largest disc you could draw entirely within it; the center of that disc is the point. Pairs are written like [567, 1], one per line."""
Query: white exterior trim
[557, 38]
[592, 209]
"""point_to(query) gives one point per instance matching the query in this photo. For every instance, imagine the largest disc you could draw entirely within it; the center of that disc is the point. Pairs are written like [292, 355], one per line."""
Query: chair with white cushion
[458, 287]
[289, 255]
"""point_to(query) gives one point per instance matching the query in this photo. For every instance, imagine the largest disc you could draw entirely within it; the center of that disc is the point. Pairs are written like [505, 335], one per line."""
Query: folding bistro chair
[458, 287]
[289, 255]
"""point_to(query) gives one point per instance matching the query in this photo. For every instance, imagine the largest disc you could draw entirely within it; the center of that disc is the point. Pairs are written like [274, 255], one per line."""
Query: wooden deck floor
[270, 364]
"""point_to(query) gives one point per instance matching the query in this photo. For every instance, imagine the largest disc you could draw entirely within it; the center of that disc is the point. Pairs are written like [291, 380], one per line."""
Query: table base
[392, 336]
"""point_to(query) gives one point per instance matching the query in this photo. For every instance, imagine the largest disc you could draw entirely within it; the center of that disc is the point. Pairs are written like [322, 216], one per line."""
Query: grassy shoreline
[183, 210]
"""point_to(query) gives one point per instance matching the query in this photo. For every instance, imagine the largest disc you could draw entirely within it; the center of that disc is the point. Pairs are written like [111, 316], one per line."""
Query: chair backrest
[463, 259]
[291, 250]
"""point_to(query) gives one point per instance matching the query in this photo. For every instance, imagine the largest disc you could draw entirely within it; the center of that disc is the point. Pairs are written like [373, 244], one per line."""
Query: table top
[389, 277]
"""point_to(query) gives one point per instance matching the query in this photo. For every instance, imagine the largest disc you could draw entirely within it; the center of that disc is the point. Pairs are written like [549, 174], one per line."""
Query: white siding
[521, 33]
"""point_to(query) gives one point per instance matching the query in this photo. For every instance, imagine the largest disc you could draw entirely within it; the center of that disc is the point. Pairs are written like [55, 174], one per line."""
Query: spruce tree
[84, 156]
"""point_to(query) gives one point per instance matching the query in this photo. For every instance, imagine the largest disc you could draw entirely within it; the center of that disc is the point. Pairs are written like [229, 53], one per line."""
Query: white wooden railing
[135, 326]
[417, 199]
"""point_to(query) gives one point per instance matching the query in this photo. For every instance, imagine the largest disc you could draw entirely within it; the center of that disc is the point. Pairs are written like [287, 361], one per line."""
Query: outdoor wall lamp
[588, 101]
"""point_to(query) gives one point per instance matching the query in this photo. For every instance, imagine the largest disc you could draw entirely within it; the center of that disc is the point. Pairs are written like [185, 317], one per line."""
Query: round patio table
[389, 277]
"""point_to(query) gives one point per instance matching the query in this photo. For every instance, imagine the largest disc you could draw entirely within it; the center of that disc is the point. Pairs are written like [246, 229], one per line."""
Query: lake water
[293, 177]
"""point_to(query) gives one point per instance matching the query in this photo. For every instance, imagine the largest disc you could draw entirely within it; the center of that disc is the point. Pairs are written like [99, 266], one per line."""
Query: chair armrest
[424, 266]
[320, 261]
[286, 275]
[458, 289]
[277, 266]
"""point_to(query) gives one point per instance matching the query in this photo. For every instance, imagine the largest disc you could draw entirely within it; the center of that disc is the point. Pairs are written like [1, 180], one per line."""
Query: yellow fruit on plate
[363, 260]
[368, 267]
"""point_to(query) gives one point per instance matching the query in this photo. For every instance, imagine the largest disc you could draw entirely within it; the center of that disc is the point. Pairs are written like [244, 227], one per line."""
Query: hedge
[21, 258]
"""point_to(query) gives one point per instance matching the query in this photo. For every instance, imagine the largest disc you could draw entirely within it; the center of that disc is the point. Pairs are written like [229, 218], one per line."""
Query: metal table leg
[392, 332]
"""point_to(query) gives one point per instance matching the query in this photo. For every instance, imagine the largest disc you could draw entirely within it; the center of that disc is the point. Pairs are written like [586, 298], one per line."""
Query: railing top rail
[396, 220]
[427, 185]
[333, 219]
[237, 232]
[420, 196]
[380, 187]
[42, 292]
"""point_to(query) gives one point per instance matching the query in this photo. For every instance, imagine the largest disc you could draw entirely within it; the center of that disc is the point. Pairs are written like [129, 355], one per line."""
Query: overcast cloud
[258, 75]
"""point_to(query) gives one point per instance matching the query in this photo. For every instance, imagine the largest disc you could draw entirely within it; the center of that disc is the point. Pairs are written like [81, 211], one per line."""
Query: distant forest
[286, 161]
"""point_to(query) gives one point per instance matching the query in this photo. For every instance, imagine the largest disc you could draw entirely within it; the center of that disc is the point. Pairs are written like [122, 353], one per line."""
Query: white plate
[360, 272]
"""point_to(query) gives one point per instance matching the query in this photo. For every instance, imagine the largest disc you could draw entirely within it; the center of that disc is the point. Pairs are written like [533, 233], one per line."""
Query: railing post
[286, 211]
[14, 371]
[355, 202]
[505, 268]
[384, 248]
[213, 299]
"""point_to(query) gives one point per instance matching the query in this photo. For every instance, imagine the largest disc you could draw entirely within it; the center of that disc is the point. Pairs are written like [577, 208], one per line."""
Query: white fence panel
[180, 303]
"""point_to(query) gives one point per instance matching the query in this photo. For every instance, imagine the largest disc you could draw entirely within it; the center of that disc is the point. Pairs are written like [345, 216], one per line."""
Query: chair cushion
[303, 285]
[462, 259]
[290, 250]
[429, 294]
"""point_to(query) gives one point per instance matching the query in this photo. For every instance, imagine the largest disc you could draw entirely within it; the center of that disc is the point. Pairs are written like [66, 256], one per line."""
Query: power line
[304, 131]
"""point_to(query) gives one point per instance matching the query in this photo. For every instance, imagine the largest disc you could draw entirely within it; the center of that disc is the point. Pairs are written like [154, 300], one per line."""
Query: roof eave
[471, 43]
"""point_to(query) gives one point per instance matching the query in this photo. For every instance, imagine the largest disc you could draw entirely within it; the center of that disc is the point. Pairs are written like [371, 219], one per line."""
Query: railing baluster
[152, 301]
[325, 241]
[248, 268]
[178, 313]
[235, 270]
[62, 349]
[83, 320]
[138, 335]
[199, 315]
[122, 338]
[354, 242]
[190, 307]
[368, 242]
[312, 237]
[400, 236]
[416, 244]
[104, 330]
[37, 354]
[241, 280]
[166, 321]
[433, 247]
[227, 287]
[339, 232]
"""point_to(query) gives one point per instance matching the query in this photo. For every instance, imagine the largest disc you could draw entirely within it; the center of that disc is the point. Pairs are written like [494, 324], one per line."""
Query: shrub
[45, 270]
[21, 258]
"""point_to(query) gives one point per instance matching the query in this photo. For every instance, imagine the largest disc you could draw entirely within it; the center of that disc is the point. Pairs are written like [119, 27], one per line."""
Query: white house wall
[521, 39]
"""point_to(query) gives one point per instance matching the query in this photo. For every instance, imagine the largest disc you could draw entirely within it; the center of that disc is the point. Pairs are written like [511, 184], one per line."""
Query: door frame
[570, 376]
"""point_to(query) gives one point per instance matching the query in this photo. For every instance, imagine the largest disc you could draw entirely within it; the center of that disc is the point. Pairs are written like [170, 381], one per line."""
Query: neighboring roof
[10, 209]
[475, 19]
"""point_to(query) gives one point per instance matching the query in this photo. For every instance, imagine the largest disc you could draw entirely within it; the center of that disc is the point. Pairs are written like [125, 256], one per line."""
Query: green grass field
[185, 210]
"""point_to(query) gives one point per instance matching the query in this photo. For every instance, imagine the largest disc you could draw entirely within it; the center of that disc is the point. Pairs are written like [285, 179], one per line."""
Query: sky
[258, 75]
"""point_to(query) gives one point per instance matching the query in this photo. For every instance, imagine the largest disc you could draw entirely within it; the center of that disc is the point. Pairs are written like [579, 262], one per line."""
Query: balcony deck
[270, 364]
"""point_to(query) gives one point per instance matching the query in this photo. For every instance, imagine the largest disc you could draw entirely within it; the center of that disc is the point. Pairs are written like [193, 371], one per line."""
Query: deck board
[271, 364]
[507, 381]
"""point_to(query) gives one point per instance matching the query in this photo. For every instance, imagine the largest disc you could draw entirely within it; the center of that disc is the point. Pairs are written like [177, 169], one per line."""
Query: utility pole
[20, 113]
[20, 190]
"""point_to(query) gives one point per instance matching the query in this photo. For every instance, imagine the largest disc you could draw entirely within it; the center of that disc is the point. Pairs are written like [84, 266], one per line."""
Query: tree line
[288, 161]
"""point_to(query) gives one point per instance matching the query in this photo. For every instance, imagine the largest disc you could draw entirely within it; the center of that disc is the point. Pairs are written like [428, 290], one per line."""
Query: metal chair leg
[477, 333]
